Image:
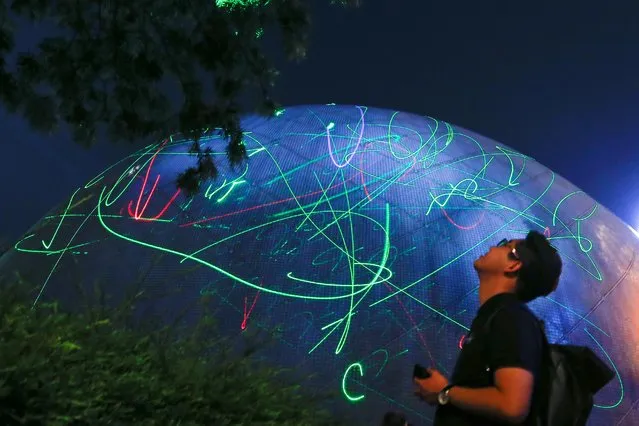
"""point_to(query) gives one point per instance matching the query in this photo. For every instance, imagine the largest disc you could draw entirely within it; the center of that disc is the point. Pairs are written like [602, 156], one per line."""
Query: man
[494, 379]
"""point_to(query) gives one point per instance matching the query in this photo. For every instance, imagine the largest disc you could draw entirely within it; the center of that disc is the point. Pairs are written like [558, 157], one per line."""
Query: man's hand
[428, 389]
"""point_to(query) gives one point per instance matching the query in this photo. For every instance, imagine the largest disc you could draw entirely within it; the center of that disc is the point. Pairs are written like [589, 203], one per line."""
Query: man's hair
[540, 270]
[394, 419]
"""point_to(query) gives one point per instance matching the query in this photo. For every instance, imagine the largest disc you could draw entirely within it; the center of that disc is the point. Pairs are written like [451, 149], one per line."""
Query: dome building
[352, 231]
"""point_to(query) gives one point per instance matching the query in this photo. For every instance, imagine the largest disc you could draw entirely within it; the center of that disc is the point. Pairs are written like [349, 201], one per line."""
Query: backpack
[570, 377]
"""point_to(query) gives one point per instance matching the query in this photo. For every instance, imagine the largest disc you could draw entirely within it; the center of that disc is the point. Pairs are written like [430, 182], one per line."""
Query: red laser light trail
[137, 214]
[247, 313]
[412, 320]
[462, 227]
[272, 203]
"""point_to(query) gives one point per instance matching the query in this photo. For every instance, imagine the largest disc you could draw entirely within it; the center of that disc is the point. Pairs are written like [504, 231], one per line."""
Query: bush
[94, 368]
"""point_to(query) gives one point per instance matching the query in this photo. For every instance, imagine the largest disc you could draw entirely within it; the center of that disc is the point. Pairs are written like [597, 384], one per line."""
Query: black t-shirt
[514, 339]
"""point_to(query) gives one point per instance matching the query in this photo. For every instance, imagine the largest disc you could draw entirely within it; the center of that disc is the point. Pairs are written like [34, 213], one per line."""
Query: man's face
[500, 258]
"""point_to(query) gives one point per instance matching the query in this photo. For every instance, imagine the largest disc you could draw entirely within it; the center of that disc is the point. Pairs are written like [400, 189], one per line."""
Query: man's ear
[513, 267]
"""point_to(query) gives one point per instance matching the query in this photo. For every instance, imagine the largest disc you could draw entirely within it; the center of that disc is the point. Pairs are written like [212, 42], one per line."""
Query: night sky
[558, 81]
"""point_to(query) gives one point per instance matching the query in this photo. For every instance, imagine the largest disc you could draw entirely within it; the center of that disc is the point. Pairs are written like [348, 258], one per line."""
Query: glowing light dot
[240, 3]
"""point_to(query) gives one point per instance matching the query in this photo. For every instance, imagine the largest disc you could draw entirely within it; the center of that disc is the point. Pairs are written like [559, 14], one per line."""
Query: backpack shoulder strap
[489, 321]
[546, 346]
[540, 323]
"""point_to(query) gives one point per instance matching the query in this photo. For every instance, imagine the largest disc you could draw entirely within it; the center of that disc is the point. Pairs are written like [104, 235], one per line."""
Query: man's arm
[515, 348]
[509, 400]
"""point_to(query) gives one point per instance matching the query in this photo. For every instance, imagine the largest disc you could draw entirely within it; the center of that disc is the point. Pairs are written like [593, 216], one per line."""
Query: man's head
[528, 267]
[394, 419]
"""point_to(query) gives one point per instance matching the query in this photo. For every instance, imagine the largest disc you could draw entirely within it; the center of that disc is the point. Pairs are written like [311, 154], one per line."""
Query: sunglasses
[513, 251]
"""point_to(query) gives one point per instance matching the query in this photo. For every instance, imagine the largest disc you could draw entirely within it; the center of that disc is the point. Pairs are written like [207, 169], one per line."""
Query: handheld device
[420, 372]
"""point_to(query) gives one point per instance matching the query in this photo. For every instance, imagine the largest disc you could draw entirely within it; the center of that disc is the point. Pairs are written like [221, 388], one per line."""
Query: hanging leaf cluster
[147, 68]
